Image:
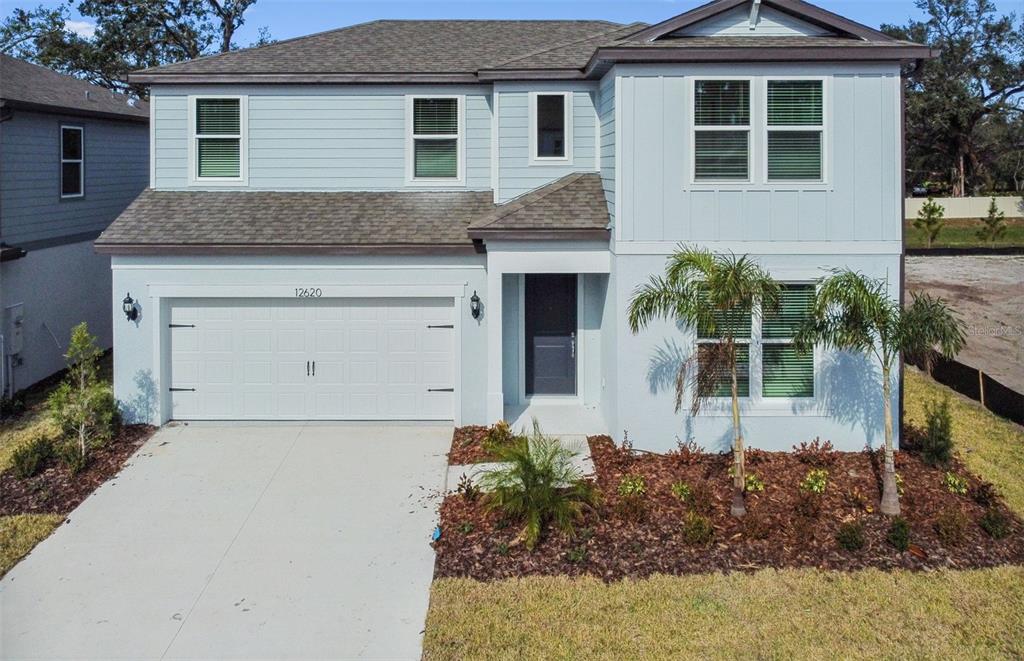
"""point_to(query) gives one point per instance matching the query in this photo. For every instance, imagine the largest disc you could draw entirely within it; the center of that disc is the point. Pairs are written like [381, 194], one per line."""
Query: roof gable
[767, 22]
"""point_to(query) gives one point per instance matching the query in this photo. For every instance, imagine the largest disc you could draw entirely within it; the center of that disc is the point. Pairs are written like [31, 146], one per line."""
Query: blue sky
[293, 18]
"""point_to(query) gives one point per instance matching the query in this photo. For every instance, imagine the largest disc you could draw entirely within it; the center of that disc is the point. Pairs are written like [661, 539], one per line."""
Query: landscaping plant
[682, 491]
[632, 491]
[816, 481]
[951, 525]
[955, 484]
[937, 445]
[930, 220]
[899, 534]
[815, 453]
[850, 536]
[538, 486]
[852, 312]
[697, 529]
[83, 406]
[28, 458]
[993, 225]
[710, 294]
[995, 522]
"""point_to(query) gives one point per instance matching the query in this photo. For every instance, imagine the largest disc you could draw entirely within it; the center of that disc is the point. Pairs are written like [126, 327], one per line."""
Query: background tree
[930, 220]
[955, 102]
[993, 225]
[852, 312]
[129, 35]
[709, 294]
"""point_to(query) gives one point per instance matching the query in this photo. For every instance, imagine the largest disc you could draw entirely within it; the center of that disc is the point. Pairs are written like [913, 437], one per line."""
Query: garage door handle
[314, 368]
[307, 368]
[443, 326]
[440, 389]
[182, 389]
[181, 325]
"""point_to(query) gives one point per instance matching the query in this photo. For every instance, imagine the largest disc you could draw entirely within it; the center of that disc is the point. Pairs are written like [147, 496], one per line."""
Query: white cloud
[83, 29]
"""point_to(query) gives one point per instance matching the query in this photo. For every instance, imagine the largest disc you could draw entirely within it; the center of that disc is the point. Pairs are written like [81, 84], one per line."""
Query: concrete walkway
[241, 541]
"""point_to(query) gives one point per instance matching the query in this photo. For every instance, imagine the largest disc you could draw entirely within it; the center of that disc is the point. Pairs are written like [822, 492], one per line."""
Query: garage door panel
[374, 359]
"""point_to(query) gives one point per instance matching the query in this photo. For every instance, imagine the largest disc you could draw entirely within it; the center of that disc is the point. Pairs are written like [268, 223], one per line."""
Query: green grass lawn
[804, 614]
[962, 233]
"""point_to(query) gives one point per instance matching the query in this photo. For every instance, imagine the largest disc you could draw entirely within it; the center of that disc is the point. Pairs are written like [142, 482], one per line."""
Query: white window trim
[694, 128]
[80, 161]
[410, 143]
[756, 402]
[823, 127]
[243, 143]
[567, 108]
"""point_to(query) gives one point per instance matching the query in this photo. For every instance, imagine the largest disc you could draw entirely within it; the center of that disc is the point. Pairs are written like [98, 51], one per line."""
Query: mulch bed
[55, 491]
[468, 446]
[614, 544]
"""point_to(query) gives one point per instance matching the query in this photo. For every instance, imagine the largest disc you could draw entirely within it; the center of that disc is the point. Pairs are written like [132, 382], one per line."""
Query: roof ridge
[529, 198]
[620, 27]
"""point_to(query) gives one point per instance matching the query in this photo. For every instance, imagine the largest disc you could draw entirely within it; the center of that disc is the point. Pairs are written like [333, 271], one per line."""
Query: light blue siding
[516, 175]
[606, 115]
[736, 23]
[860, 199]
[322, 138]
[116, 170]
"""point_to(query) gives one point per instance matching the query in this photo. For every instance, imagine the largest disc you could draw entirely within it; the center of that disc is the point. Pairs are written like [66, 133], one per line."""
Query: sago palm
[711, 294]
[852, 312]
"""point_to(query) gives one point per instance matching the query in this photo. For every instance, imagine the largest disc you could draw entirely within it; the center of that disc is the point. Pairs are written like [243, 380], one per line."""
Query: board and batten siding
[33, 213]
[321, 138]
[516, 174]
[860, 199]
[606, 117]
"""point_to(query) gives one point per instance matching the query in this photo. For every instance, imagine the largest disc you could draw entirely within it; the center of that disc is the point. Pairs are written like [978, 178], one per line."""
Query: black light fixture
[129, 309]
[474, 305]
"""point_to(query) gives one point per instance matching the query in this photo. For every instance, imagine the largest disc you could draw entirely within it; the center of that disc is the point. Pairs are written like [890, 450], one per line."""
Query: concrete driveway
[243, 541]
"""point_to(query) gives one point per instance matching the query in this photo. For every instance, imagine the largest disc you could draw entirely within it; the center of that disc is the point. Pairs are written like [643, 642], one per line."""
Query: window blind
[218, 117]
[795, 154]
[435, 116]
[723, 388]
[786, 371]
[436, 159]
[794, 307]
[721, 155]
[722, 103]
[794, 103]
[219, 157]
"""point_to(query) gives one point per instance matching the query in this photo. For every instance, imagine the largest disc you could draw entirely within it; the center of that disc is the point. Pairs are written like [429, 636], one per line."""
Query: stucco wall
[136, 359]
[847, 407]
[968, 207]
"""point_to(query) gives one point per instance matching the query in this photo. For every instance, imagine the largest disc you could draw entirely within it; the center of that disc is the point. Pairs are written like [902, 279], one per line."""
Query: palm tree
[852, 312]
[713, 295]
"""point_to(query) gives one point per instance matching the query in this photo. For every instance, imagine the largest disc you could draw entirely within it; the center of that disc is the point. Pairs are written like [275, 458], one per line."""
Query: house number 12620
[308, 292]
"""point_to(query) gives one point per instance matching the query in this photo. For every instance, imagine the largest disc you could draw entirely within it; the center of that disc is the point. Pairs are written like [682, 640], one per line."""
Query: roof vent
[133, 102]
[88, 95]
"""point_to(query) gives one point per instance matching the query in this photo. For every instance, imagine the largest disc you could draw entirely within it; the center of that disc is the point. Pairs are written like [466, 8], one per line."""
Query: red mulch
[55, 491]
[478, 543]
[468, 446]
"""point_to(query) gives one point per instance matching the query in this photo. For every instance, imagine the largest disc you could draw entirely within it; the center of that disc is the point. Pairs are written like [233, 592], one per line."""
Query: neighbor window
[709, 342]
[435, 138]
[72, 162]
[218, 138]
[795, 130]
[551, 112]
[787, 372]
[721, 141]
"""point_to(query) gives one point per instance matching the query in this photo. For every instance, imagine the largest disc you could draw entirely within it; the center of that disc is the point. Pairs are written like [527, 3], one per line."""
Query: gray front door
[550, 309]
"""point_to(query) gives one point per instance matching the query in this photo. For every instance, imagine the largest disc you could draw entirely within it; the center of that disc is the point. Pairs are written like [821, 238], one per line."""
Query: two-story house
[72, 156]
[445, 220]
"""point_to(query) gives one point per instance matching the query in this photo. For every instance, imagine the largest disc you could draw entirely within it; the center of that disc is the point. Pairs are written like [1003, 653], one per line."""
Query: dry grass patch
[992, 448]
[20, 533]
[14, 433]
[768, 614]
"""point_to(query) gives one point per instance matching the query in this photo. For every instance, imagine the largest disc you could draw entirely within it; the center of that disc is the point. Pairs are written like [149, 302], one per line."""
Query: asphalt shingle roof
[573, 203]
[27, 83]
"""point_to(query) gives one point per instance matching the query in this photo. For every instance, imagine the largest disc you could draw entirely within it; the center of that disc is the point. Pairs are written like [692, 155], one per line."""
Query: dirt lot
[988, 293]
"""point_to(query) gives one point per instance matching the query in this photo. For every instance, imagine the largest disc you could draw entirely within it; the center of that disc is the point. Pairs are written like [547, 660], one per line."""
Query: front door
[550, 309]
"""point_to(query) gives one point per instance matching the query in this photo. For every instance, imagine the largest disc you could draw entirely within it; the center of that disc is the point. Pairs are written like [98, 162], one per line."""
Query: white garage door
[331, 359]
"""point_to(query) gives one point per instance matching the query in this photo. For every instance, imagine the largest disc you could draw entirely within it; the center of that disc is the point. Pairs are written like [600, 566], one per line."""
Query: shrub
[899, 534]
[697, 529]
[682, 491]
[815, 482]
[577, 554]
[816, 453]
[937, 444]
[632, 490]
[984, 493]
[900, 485]
[851, 536]
[83, 407]
[995, 523]
[71, 456]
[808, 504]
[11, 406]
[29, 458]
[951, 525]
[466, 527]
[859, 500]
[702, 498]
[756, 526]
[930, 220]
[539, 485]
[501, 548]
[993, 225]
[955, 484]
[688, 453]
[753, 483]
[468, 489]
[499, 435]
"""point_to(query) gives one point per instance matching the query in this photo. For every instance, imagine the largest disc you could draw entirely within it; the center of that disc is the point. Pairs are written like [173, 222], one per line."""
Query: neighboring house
[72, 156]
[445, 220]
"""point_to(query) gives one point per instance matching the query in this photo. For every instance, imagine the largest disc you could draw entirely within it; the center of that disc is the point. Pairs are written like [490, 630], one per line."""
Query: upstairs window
[551, 126]
[218, 139]
[795, 130]
[72, 162]
[721, 141]
[738, 325]
[787, 372]
[435, 138]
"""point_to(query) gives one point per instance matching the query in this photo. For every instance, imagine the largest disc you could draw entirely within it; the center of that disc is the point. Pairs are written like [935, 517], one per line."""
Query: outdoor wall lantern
[129, 309]
[474, 305]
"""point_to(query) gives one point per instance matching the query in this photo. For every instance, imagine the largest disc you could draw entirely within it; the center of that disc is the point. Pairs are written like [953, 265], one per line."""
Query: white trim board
[762, 247]
[328, 291]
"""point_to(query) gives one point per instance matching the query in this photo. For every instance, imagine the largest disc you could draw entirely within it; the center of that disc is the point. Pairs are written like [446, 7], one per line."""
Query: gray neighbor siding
[32, 212]
[321, 138]
[606, 115]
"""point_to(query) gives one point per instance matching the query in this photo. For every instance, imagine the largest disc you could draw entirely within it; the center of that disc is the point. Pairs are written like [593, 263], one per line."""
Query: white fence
[968, 207]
